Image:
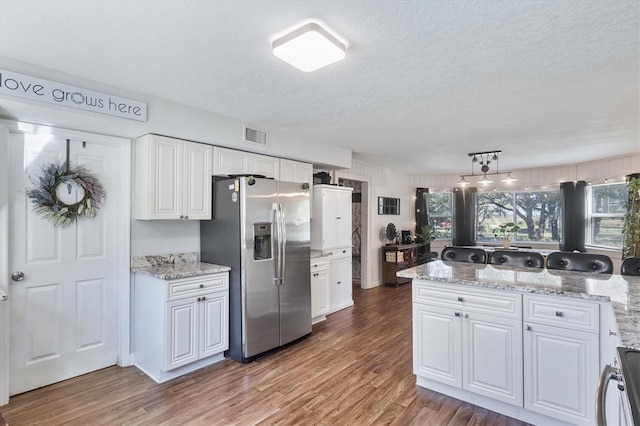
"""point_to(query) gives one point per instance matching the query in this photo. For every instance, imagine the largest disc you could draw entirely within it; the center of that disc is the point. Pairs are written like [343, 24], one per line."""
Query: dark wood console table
[396, 257]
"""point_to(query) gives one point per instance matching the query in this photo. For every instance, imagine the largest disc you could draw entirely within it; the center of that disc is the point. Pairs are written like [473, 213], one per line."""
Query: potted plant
[424, 239]
[631, 228]
[505, 231]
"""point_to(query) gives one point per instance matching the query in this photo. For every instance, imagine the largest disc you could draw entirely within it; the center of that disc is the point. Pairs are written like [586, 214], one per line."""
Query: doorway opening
[359, 228]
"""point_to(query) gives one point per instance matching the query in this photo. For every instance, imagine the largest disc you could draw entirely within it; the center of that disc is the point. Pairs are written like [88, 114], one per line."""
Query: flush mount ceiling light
[484, 159]
[309, 48]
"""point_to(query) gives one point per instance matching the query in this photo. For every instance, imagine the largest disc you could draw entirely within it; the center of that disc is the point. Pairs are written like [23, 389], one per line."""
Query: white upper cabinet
[172, 179]
[296, 171]
[232, 162]
[331, 226]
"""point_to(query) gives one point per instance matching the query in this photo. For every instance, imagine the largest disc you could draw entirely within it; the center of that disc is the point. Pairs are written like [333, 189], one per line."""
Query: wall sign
[28, 87]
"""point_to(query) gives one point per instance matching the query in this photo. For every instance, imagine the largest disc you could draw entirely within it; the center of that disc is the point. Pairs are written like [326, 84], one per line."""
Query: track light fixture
[484, 159]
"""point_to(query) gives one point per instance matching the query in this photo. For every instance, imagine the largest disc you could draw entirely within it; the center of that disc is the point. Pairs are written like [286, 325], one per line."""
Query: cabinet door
[197, 182]
[319, 293]
[168, 178]
[288, 169]
[437, 344]
[561, 372]
[340, 283]
[214, 330]
[229, 161]
[181, 333]
[343, 218]
[492, 360]
[329, 214]
[264, 165]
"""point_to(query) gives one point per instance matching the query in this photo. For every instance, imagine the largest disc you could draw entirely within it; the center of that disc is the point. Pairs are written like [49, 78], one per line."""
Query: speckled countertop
[173, 266]
[622, 291]
[315, 254]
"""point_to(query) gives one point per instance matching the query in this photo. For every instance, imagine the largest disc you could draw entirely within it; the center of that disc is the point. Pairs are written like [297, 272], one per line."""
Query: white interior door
[63, 313]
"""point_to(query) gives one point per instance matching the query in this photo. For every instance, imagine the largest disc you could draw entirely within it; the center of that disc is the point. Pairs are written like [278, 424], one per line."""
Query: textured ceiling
[423, 83]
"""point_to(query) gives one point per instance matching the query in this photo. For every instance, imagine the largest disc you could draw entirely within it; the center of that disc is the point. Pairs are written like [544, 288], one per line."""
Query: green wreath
[47, 202]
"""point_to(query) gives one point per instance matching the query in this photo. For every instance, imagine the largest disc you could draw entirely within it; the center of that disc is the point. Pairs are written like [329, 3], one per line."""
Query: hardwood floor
[355, 369]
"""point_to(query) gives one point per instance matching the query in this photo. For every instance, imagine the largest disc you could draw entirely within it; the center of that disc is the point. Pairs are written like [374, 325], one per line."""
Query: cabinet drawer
[339, 253]
[319, 264]
[196, 286]
[494, 302]
[562, 312]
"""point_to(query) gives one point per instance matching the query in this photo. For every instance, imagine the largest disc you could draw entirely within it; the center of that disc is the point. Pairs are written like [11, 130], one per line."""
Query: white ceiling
[423, 84]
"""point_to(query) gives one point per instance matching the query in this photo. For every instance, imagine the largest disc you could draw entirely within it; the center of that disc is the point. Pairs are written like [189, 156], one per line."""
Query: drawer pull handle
[201, 285]
[460, 299]
[339, 282]
[457, 314]
[559, 314]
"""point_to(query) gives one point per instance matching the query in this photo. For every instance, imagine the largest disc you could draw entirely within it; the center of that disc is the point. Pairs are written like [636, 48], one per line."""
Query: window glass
[440, 212]
[606, 207]
[536, 213]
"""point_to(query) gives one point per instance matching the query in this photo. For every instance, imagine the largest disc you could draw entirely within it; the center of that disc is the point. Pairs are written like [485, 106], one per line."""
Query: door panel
[295, 291]
[214, 337]
[182, 332]
[261, 316]
[64, 321]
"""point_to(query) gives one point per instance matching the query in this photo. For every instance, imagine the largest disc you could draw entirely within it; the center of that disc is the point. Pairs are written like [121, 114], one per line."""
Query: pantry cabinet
[179, 325]
[233, 162]
[172, 179]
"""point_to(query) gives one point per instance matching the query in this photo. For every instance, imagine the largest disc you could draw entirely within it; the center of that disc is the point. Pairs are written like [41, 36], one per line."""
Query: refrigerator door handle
[283, 239]
[276, 223]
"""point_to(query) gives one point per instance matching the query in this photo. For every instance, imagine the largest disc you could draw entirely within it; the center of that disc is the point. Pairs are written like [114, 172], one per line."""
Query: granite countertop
[315, 254]
[622, 291]
[173, 266]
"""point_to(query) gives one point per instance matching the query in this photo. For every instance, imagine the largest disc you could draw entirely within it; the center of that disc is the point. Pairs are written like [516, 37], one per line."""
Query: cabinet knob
[466, 315]
[460, 299]
[201, 285]
[457, 314]
[338, 217]
[315, 275]
[181, 217]
[339, 282]
[199, 299]
[559, 313]
[186, 217]
[204, 298]
[528, 328]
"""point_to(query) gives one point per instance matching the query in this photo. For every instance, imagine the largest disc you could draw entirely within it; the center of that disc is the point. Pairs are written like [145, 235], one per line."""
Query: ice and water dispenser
[261, 241]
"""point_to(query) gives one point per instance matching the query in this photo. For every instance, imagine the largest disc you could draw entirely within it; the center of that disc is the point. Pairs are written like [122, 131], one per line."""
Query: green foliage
[506, 230]
[631, 228]
[426, 234]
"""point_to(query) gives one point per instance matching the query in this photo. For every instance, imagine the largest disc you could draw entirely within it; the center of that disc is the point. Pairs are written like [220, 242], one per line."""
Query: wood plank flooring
[355, 369]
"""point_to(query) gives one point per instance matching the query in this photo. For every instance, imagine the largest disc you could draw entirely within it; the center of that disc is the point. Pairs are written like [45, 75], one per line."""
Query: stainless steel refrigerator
[260, 228]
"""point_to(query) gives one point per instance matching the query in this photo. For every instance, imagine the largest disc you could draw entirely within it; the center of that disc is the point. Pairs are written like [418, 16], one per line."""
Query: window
[606, 207]
[440, 212]
[536, 213]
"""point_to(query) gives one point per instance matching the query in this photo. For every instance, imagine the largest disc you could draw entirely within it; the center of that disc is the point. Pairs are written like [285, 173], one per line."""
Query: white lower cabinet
[562, 360]
[320, 298]
[179, 325]
[469, 347]
[340, 291]
[527, 356]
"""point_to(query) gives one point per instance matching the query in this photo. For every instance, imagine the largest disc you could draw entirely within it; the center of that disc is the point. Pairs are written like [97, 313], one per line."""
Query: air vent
[255, 136]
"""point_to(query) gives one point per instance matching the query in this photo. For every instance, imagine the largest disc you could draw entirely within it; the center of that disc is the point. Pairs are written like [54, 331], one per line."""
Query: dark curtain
[422, 217]
[574, 215]
[464, 216]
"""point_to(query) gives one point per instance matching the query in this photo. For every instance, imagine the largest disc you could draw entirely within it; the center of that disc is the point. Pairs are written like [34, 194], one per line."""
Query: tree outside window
[440, 212]
[536, 213]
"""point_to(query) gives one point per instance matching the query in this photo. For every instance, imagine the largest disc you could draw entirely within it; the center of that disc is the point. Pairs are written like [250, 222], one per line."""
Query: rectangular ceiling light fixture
[309, 48]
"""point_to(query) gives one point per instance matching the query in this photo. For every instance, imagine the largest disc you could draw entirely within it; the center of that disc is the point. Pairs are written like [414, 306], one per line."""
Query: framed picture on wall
[387, 205]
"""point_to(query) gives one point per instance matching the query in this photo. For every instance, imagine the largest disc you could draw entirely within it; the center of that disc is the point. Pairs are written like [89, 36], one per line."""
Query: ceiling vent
[255, 136]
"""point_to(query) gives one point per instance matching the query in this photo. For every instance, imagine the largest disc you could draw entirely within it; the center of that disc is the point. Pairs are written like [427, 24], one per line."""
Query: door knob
[17, 276]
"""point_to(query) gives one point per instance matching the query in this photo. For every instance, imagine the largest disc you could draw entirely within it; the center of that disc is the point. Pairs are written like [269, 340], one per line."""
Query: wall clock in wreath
[62, 193]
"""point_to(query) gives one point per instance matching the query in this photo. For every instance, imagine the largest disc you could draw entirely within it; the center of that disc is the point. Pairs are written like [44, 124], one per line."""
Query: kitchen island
[528, 343]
